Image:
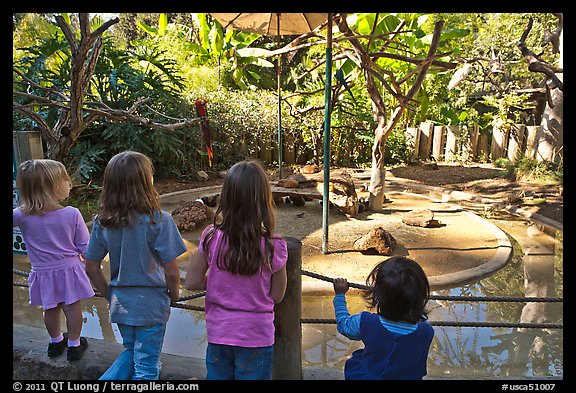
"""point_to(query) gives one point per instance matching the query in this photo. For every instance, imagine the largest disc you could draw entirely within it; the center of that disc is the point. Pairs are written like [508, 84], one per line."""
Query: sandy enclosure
[462, 243]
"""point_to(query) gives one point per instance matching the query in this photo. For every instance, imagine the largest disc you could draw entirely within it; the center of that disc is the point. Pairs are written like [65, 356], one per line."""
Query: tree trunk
[550, 145]
[378, 171]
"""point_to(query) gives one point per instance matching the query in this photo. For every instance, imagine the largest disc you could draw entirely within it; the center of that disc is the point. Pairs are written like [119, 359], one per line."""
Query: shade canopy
[267, 23]
[277, 24]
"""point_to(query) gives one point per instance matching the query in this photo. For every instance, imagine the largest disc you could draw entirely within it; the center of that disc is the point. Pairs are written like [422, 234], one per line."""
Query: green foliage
[86, 200]
[531, 170]
[396, 148]
[176, 58]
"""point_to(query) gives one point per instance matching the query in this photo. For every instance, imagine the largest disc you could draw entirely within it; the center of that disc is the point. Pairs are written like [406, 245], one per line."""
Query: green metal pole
[325, 199]
[279, 105]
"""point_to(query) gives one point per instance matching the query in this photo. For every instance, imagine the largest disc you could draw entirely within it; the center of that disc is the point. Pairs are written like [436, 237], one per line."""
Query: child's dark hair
[399, 290]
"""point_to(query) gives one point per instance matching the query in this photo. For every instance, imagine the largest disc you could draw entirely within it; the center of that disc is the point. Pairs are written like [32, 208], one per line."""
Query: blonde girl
[142, 242]
[56, 237]
[241, 262]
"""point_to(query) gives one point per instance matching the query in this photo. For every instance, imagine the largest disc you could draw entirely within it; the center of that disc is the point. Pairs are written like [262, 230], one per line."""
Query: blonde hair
[127, 190]
[37, 181]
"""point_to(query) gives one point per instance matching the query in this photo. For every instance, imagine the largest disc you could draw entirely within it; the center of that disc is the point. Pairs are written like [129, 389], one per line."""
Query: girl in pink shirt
[56, 237]
[241, 263]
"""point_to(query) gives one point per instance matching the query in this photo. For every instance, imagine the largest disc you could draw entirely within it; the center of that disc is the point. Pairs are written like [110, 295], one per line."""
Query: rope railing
[447, 297]
[360, 286]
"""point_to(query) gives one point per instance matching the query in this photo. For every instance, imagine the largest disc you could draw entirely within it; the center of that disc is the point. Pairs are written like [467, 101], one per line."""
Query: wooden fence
[466, 143]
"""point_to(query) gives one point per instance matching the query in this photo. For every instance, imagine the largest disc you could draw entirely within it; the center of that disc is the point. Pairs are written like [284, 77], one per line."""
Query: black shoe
[75, 353]
[56, 349]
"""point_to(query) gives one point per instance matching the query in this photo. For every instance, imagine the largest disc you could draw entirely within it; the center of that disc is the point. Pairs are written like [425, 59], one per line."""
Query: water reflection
[536, 269]
[477, 352]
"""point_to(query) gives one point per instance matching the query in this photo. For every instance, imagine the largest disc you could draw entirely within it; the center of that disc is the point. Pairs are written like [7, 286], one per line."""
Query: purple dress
[55, 241]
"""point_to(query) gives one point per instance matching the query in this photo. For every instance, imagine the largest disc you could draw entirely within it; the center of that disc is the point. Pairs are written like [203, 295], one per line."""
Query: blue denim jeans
[141, 358]
[231, 362]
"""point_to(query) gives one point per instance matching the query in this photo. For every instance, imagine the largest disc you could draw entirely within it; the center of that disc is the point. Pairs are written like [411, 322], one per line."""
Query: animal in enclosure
[202, 112]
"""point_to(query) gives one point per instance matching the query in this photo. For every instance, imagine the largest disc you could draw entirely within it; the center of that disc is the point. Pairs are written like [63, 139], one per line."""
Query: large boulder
[192, 214]
[420, 218]
[377, 239]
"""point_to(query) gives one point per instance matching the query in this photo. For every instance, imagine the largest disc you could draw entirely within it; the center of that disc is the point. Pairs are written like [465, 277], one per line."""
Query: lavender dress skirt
[63, 281]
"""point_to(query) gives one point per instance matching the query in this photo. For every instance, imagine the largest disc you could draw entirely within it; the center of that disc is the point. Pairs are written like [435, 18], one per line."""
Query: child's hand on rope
[340, 285]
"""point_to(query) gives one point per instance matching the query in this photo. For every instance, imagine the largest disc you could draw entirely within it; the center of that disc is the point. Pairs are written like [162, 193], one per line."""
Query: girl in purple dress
[56, 237]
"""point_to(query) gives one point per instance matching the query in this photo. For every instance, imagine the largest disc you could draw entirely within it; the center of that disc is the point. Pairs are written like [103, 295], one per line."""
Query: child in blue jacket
[397, 337]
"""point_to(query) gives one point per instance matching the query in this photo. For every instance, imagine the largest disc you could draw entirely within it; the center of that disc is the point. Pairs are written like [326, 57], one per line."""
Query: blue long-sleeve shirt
[349, 325]
[392, 350]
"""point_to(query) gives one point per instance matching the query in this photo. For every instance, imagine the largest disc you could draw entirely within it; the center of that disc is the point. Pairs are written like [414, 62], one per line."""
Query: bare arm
[279, 282]
[97, 277]
[196, 276]
[172, 273]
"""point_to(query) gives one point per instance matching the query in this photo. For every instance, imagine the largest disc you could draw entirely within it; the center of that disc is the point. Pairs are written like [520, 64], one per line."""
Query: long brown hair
[37, 181]
[247, 214]
[127, 190]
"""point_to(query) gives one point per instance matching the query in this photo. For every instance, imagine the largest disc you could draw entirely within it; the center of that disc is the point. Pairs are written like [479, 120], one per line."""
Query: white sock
[57, 339]
[74, 343]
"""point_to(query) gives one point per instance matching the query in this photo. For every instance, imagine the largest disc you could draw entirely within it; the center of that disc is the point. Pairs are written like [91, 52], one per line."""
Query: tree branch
[67, 33]
[534, 63]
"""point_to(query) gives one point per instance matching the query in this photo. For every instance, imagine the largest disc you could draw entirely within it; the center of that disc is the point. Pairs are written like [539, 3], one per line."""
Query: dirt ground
[453, 247]
[483, 180]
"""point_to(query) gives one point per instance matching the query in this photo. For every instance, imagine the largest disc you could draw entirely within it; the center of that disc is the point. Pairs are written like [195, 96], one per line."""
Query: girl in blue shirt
[142, 242]
[397, 337]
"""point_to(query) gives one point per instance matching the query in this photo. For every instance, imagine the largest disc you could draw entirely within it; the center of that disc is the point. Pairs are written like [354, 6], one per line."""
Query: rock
[192, 214]
[308, 169]
[342, 194]
[430, 165]
[288, 183]
[303, 181]
[202, 175]
[378, 239]
[420, 218]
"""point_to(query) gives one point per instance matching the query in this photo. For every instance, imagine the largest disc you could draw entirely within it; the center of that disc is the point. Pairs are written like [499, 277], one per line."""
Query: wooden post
[499, 146]
[483, 152]
[438, 143]
[532, 135]
[287, 361]
[474, 141]
[27, 145]
[451, 148]
[465, 143]
[516, 141]
[425, 142]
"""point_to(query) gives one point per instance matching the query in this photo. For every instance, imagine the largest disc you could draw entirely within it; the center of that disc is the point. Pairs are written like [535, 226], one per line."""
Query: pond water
[477, 352]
